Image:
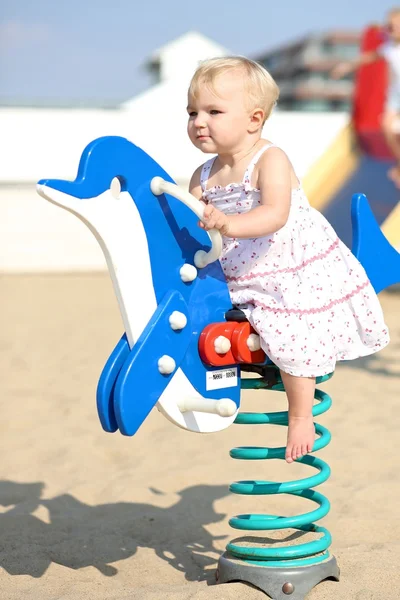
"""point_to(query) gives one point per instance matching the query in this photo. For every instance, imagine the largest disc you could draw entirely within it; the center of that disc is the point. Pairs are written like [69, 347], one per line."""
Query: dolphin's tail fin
[378, 257]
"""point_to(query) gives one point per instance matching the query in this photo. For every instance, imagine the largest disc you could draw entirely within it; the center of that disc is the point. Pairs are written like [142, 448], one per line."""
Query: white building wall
[180, 58]
[38, 236]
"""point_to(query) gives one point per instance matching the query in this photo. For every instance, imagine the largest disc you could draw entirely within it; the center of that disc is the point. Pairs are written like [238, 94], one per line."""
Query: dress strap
[250, 167]
[205, 173]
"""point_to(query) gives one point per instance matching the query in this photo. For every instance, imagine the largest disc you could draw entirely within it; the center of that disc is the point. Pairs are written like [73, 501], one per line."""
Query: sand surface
[89, 515]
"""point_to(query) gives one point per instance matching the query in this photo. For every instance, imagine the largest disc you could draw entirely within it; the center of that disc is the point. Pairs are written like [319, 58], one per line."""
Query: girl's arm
[274, 182]
[346, 67]
[194, 185]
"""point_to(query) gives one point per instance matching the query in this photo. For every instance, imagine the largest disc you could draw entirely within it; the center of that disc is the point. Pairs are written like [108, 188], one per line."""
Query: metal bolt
[288, 588]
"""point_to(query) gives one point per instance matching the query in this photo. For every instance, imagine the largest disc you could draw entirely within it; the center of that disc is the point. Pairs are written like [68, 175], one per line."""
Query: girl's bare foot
[301, 436]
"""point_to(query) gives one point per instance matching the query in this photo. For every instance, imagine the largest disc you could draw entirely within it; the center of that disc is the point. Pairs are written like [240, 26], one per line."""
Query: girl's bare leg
[389, 120]
[301, 433]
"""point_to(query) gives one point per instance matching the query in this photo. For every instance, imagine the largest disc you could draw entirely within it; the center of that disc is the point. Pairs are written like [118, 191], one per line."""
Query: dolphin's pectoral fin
[140, 383]
[378, 257]
[106, 385]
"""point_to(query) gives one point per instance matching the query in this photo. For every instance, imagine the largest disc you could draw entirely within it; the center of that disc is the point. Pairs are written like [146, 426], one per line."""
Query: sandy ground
[85, 514]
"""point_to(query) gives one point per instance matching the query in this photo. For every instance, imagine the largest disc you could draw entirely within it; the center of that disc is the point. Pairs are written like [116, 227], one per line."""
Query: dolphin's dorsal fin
[378, 257]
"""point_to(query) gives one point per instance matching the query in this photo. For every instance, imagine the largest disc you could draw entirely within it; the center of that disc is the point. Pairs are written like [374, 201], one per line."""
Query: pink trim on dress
[312, 311]
[287, 269]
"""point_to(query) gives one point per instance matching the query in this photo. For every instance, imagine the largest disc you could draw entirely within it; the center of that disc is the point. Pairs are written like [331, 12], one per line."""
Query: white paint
[112, 223]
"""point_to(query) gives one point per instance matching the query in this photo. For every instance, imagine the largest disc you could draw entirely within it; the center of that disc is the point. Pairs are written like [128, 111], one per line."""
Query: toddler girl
[301, 288]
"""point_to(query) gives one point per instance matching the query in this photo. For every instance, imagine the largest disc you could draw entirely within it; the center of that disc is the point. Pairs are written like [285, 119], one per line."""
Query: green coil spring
[290, 556]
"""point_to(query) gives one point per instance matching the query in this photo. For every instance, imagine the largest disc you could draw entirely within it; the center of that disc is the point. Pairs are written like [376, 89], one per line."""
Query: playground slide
[370, 178]
[359, 159]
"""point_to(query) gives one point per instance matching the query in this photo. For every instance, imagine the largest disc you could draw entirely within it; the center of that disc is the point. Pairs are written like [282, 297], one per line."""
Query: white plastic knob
[166, 365]
[188, 273]
[200, 259]
[226, 407]
[253, 342]
[177, 320]
[222, 345]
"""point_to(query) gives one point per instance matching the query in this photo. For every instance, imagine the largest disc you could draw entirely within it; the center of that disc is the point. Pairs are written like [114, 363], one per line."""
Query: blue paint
[378, 257]
[106, 385]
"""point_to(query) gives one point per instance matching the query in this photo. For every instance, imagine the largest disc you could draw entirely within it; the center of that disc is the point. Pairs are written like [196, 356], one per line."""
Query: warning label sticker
[223, 378]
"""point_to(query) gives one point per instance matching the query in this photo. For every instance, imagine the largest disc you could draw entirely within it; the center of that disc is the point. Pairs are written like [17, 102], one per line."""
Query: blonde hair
[393, 12]
[260, 87]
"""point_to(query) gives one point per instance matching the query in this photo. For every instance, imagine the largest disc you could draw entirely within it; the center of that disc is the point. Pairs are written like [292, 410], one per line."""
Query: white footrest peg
[223, 407]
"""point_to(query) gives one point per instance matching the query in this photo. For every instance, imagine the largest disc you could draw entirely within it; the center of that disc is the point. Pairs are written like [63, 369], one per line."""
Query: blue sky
[94, 50]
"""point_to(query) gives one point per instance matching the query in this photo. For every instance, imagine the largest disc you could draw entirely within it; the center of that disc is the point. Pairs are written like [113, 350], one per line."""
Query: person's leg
[301, 433]
[389, 120]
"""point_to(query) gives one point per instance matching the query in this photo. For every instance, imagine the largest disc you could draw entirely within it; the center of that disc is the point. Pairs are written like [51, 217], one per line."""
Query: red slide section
[369, 98]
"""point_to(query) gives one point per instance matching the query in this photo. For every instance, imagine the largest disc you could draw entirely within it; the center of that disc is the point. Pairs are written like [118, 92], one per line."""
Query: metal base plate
[278, 583]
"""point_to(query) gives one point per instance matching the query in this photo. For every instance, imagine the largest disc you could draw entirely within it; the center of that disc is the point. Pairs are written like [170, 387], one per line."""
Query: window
[312, 105]
[272, 62]
[340, 105]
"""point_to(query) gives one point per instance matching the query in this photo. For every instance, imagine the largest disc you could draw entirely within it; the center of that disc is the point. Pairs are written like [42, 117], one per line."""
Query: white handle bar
[159, 186]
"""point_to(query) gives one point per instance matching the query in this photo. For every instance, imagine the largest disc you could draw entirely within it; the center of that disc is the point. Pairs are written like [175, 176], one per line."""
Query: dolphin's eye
[115, 187]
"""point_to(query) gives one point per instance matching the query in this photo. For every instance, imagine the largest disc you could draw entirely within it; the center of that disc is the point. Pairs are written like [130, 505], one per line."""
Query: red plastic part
[239, 345]
[206, 344]
[238, 334]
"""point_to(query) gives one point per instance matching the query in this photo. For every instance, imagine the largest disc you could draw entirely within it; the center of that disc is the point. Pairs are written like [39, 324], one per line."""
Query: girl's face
[393, 27]
[219, 121]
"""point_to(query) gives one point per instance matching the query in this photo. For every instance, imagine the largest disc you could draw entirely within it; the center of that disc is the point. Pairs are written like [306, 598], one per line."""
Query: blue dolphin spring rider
[185, 346]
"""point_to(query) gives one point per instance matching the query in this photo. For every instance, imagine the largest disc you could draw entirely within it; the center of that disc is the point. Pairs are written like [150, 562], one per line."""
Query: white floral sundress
[302, 289]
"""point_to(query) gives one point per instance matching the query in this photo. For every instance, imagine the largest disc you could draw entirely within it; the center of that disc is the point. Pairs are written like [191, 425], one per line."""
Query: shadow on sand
[79, 535]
